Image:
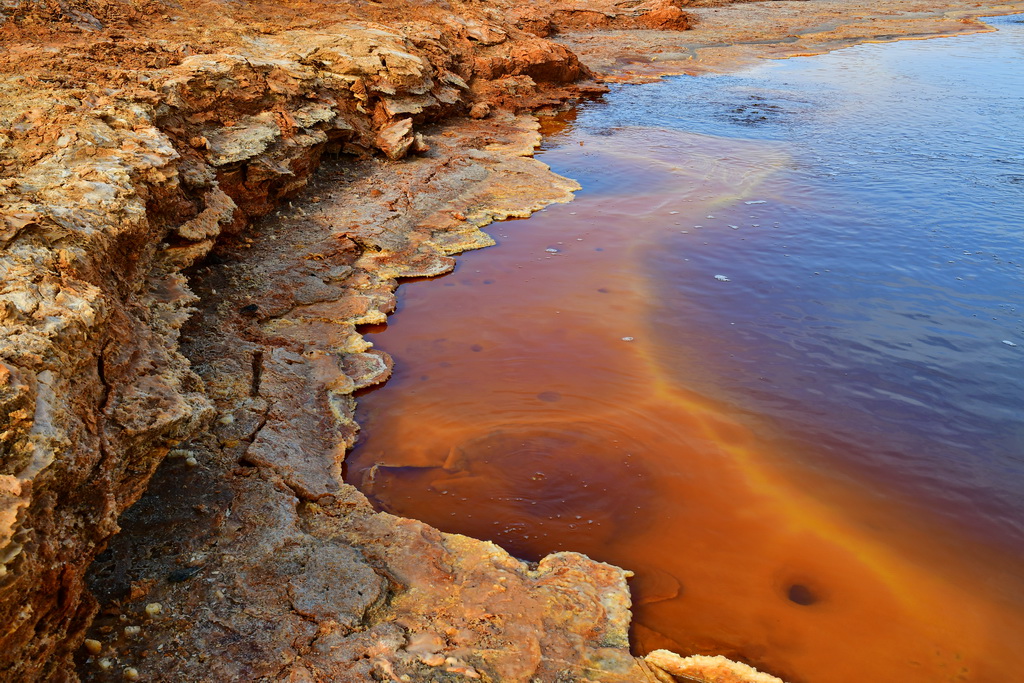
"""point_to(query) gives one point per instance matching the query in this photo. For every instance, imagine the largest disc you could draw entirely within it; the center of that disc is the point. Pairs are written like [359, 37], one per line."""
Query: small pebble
[154, 608]
[105, 664]
[467, 671]
[132, 630]
[131, 674]
[93, 646]
[179, 575]
[191, 461]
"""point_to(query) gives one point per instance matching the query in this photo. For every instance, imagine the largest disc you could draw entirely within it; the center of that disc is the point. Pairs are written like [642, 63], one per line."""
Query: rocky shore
[200, 202]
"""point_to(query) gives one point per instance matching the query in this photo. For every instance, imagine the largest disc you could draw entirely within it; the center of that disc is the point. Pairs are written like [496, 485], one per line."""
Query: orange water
[520, 414]
[813, 466]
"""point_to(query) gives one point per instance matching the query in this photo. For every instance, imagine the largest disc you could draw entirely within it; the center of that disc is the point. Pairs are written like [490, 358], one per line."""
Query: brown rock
[667, 17]
[316, 591]
[480, 110]
[135, 186]
[395, 139]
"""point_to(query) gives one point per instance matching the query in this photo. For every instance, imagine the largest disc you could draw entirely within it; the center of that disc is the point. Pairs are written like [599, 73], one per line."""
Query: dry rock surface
[179, 287]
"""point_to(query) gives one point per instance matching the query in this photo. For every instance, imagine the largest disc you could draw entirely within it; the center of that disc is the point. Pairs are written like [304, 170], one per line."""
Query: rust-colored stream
[521, 413]
[778, 380]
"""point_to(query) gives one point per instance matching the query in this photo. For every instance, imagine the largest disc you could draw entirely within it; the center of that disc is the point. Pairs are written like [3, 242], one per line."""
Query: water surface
[770, 360]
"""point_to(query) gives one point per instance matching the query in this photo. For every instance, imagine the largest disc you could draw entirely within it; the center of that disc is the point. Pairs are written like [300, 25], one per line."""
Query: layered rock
[294, 573]
[124, 158]
[551, 17]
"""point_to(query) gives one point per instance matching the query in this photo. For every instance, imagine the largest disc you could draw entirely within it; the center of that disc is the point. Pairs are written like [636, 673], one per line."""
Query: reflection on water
[760, 361]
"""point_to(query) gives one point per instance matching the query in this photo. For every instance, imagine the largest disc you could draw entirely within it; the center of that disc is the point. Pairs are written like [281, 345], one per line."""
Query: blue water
[876, 311]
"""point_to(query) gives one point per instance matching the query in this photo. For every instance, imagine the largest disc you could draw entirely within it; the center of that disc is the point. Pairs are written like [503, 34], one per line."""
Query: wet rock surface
[145, 321]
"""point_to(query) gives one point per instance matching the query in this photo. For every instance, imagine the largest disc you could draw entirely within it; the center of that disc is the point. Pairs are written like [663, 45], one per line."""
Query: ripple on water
[529, 480]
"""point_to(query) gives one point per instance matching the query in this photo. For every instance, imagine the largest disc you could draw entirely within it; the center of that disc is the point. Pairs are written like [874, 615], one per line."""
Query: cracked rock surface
[134, 138]
[297, 576]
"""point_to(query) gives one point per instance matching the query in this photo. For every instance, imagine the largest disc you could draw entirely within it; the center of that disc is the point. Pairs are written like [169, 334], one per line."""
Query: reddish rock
[667, 17]
[129, 145]
[395, 138]
[480, 110]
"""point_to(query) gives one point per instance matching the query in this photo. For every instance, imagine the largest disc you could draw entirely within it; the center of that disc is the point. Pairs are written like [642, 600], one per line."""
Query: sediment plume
[180, 284]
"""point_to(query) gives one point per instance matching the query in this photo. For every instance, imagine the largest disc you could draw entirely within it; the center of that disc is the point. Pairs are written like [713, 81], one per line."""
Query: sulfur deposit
[178, 285]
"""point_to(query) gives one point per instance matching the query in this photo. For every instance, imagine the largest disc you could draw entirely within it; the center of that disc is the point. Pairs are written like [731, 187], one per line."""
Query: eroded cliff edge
[135, 138]
[138, 144]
